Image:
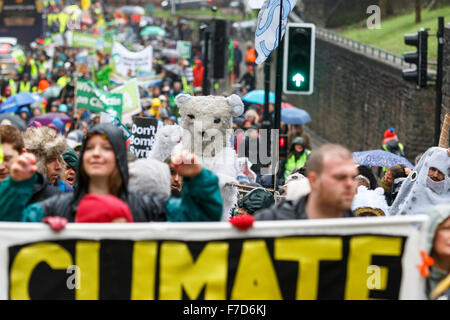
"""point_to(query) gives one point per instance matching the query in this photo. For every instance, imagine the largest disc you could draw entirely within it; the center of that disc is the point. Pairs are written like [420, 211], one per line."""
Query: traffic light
[298, 64]
[283, 151]
[419, 58]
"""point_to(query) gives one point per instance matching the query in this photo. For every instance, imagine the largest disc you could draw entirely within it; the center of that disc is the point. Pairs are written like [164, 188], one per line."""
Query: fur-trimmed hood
[45, 143]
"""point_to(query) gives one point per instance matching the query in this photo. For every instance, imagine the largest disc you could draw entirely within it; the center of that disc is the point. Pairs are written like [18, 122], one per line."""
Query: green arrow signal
[298, 79]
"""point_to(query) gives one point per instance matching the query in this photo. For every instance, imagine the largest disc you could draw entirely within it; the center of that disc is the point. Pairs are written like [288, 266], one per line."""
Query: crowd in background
[67, 170]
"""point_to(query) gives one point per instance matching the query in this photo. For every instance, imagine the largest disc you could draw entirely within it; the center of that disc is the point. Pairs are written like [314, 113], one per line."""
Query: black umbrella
[15, 120]
[174, 68]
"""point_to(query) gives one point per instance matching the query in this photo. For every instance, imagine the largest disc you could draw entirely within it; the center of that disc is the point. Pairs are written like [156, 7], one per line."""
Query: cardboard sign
[354, 258]
[144, 132]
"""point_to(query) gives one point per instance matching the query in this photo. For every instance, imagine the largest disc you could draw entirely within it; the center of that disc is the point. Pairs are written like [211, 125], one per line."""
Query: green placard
[91, 98]
[85, 40]
[131, 99]
[184, 49]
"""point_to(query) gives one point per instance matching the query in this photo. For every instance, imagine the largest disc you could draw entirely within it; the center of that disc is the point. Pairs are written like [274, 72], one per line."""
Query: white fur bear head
[207, 122]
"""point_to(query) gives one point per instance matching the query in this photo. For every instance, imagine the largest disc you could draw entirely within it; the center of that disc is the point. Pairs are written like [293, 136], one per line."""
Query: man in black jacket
[331, 172]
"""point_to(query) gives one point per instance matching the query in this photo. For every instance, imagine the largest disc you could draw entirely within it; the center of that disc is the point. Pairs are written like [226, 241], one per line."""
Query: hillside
[391, 35]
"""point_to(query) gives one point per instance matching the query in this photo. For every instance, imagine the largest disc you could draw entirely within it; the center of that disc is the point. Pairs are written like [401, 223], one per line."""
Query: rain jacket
[289, 210]
[200, 201]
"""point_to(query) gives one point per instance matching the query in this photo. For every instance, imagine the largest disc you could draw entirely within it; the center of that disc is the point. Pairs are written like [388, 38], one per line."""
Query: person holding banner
[438, 246]
[103, 169]
[331, 172]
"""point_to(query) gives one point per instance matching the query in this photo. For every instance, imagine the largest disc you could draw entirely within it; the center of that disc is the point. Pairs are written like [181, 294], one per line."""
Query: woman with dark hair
[387, 182]
[103, 169]
[367, 172]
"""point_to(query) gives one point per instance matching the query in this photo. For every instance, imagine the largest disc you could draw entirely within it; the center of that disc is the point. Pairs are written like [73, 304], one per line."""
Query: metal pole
[266, 123]
[437, 123]
[279, 85]
[206, 87]
[172, 12]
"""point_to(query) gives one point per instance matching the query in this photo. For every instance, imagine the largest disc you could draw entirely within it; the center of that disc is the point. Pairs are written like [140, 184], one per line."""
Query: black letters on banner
[193, 270]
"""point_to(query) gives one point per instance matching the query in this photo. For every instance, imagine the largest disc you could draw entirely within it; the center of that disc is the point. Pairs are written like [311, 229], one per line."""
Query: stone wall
[356, 98]
[446, 73]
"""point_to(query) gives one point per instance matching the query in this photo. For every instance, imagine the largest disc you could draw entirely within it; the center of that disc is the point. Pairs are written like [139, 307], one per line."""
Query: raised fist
[24, 168]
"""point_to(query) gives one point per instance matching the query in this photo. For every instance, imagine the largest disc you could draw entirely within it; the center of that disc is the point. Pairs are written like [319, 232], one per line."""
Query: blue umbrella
[380, 158]
[257, 97]
[295, 116]
[12, 104]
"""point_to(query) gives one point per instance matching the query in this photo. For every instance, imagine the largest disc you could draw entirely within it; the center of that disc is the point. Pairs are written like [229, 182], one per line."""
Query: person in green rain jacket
[103, 168]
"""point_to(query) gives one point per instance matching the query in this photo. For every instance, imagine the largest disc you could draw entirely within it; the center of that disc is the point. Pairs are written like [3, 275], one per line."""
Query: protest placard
[131, 100]
[107, 118]
[184, 48]
[144, 132]
[359, 258]
[127, 61]
[88, 96]
[90, 41]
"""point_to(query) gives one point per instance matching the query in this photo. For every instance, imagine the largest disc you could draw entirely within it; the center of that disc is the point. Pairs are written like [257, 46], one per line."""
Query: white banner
[127, 61]
[355, 258]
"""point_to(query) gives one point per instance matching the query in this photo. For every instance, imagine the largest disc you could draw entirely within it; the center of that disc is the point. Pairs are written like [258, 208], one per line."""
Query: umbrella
[153, 30]
[285, 105]
[52, 92]
[257, 97]
[295, 116]
[15, 120]
[12, 104]
[132, 10]
[380, 158]
[174, 68]
[47, 118]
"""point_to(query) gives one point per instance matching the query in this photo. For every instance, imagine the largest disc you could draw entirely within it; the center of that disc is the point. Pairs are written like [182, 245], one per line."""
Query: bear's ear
[181, 99]
[238, 106]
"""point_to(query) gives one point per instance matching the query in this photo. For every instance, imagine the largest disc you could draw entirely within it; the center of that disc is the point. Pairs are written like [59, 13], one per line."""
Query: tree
[418, 11]
[383, 7]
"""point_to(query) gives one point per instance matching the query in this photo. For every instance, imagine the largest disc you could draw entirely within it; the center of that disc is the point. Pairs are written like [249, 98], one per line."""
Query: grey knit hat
[149, 176]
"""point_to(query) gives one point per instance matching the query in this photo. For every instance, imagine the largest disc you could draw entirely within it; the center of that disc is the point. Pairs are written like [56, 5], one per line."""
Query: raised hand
[186, 164]
[24, 168]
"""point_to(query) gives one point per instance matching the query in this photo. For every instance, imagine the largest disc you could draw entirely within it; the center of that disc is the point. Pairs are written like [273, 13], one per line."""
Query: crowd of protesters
[56, 172]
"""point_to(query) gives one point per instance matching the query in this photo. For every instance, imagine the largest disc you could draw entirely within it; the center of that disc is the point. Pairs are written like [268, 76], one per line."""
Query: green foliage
[393, 29]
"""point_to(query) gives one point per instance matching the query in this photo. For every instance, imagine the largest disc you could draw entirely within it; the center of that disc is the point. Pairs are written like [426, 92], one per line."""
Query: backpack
[395, 147]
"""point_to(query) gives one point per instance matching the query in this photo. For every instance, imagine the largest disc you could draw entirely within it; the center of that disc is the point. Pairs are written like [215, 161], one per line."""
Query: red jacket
[198, 71]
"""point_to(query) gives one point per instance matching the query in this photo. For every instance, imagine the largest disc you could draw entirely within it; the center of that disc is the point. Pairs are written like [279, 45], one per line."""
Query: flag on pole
[266, 35]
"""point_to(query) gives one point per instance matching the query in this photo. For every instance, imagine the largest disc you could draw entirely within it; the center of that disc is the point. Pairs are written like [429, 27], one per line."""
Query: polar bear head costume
[207, 122]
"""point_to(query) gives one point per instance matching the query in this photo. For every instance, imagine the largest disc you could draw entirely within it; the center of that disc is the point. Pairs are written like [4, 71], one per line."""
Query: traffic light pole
[437, 126]
[278, 91]
[266, 123]
[206, 85]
